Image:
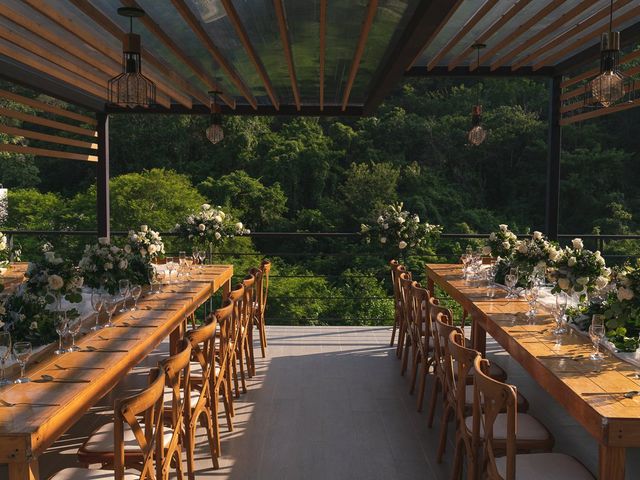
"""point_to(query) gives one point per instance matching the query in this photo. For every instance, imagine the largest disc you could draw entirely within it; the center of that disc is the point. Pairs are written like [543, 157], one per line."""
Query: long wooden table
[592, 392]
[45, 410]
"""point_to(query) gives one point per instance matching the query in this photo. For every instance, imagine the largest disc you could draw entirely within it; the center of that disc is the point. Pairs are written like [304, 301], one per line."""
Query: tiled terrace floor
[329, 403]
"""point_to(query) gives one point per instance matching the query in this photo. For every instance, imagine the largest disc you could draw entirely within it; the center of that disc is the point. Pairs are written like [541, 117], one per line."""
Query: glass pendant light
[215, 134]
[131, 88]
[477, 134]
[612, 85]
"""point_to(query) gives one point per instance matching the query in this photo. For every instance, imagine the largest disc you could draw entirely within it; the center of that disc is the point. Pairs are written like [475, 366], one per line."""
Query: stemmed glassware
[154, 281]
[202, 255]
[124, 286]
[511, 280]
[465, 258]
[73, 326]
[596, 333]
[22, 352]
[5, 350]
[531, 294]
[171, 267]
[559, 312]
[110, 305]
[136, 291]
[61, 324]
[97, 301]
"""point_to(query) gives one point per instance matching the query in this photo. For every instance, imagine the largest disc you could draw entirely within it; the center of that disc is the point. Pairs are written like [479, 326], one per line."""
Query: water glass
[559, 313]
[124, 286]
[5, 351]
[182, 258]
[73, 325]
[22, 352]
[596, 333]
[110, 305]
[511, 280]
[97, 302]
[61, 324]
[202, 255]
[531, 294]
[136, 291]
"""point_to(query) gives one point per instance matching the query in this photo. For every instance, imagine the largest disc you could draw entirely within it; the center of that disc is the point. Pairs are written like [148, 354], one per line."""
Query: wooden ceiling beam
[236, 21]
[594, 71]
[549, 29]
[96, 43]
[517, 32]
[568, 34]
[434, 32]
[195, 67]
[45, 152]
[489, 32]
[599, 112]
[323, 47]
[372, 8]
[186, 88]
[45, 122]
[286, 46]
[193, 22]
[21, 132]
[45, 107]
[466, 28]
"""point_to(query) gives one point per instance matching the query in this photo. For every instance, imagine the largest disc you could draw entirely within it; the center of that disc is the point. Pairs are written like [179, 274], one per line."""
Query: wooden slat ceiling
[312, 57]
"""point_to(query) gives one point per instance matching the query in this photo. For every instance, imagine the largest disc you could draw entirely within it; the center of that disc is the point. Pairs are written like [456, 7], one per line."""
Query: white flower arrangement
[210, 226]
[534, 253]
[145, 242]
[398, 227]
[103, 265]
[502, 243]
[7, 254]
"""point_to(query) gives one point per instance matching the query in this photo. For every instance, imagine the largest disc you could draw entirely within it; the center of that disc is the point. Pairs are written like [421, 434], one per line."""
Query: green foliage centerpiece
[104, 264]
[502, 243]
[210, 227]
[533, 255]
[622, 308]
[399, 228]
[30, 310]
[141, 248]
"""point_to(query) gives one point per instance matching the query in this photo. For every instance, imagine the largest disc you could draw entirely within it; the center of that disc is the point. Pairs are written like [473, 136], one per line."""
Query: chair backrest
[420, 313]
[147, 404]
[464, 358]
[490, 398]
[265, 267]
[404, 280]
[250, 296]
[237, 298]
[444, 327]
[203, 351]
[224, 318]
[396, 271]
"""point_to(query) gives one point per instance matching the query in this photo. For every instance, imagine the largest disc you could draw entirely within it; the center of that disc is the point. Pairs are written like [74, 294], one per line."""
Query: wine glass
[61, 324]
[170, 268]
[194, 255]
[189, 263]
[110, 305]
[74, 325]
[153, 281]
[531, 294]
[124, 286]
[559, 312]
[511, 280]
[161, 276]
[22, 352]
[136, 291]
[464, 258]
[596, 333]
[182, 258]
[5, 350]
[97, 301]
[202, 255]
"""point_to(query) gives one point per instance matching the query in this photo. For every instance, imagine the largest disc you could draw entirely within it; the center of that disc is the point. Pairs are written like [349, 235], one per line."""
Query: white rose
[606, 271]
[222, 214]
[522, 248]
[600, 261]
[416, 218]
[202, 227]
[122, 265]
[554, 254]
[625, 294]
[49, 256]
[597, 254]
[55, 282]
[103, 241]
[402, 245]
[572, 261]
[127, 248]
[503, 227]
[577, 244]
[152, 249]
[380, 219]
[564, 283]
[114, 249]
[400, 220]
[385, 225]
[33, 326]
[506, 245]
[144, 228]
[383, 239]
[218, 218]
[601, 282]
[217, 236]
[537, 235]
[486, 250]
[512, 236]
[492, 237]
[108, 266]
[239, 226]
[582, 280]
[205, 206]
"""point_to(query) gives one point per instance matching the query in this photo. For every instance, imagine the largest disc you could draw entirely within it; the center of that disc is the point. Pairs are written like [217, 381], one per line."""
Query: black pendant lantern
[215, 133]
[612, 86]
[477, 134]
[131, 88]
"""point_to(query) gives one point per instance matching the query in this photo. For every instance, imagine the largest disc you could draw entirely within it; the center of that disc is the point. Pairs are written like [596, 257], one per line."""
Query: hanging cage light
[215, 133]
[611, 86]
[477, 134]
[131, 88]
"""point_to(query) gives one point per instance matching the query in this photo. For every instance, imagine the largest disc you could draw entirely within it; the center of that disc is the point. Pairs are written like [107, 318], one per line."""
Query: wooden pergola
[286, 57]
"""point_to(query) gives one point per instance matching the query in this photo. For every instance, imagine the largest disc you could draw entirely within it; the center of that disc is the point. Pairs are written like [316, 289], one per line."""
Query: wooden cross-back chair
[400, 271]
[407, 329]
[491, 399]
[394, 264]
[439, 383]
[246, 332]
[237, 297]
[423, 359]
[202, 403]
[262, 292]
[129, 434]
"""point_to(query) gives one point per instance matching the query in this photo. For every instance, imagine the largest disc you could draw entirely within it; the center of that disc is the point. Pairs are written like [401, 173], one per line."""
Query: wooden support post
[553, 165]
[102, 176]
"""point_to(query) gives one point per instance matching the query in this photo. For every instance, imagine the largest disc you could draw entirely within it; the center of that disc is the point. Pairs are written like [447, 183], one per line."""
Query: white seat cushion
[101, 440]
[527, 427]
[545, 466]
[87, 474]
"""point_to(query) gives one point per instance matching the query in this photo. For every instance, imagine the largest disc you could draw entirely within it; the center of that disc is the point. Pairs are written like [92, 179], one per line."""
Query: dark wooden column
[553, 161]
[102, 177]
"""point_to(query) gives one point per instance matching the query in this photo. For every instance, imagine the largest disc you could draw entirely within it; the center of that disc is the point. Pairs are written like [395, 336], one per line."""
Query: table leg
[24, 470]
[431, 286]
[612, 463]
[226, 290]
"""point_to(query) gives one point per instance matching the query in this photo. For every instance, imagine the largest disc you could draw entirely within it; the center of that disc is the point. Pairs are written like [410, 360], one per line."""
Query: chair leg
[234, 361]
[456, 471]
[229, 390]
[227, 407]
[178, 465]
[208, 424]
[433, 401]
[215, 405]
[248, 350]
[241, 364]
[423, 383]
[252, 361]
[400, 340]
[190, 448]
[405, 355]
[448, 410]
[393, 333]
[414, 370]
